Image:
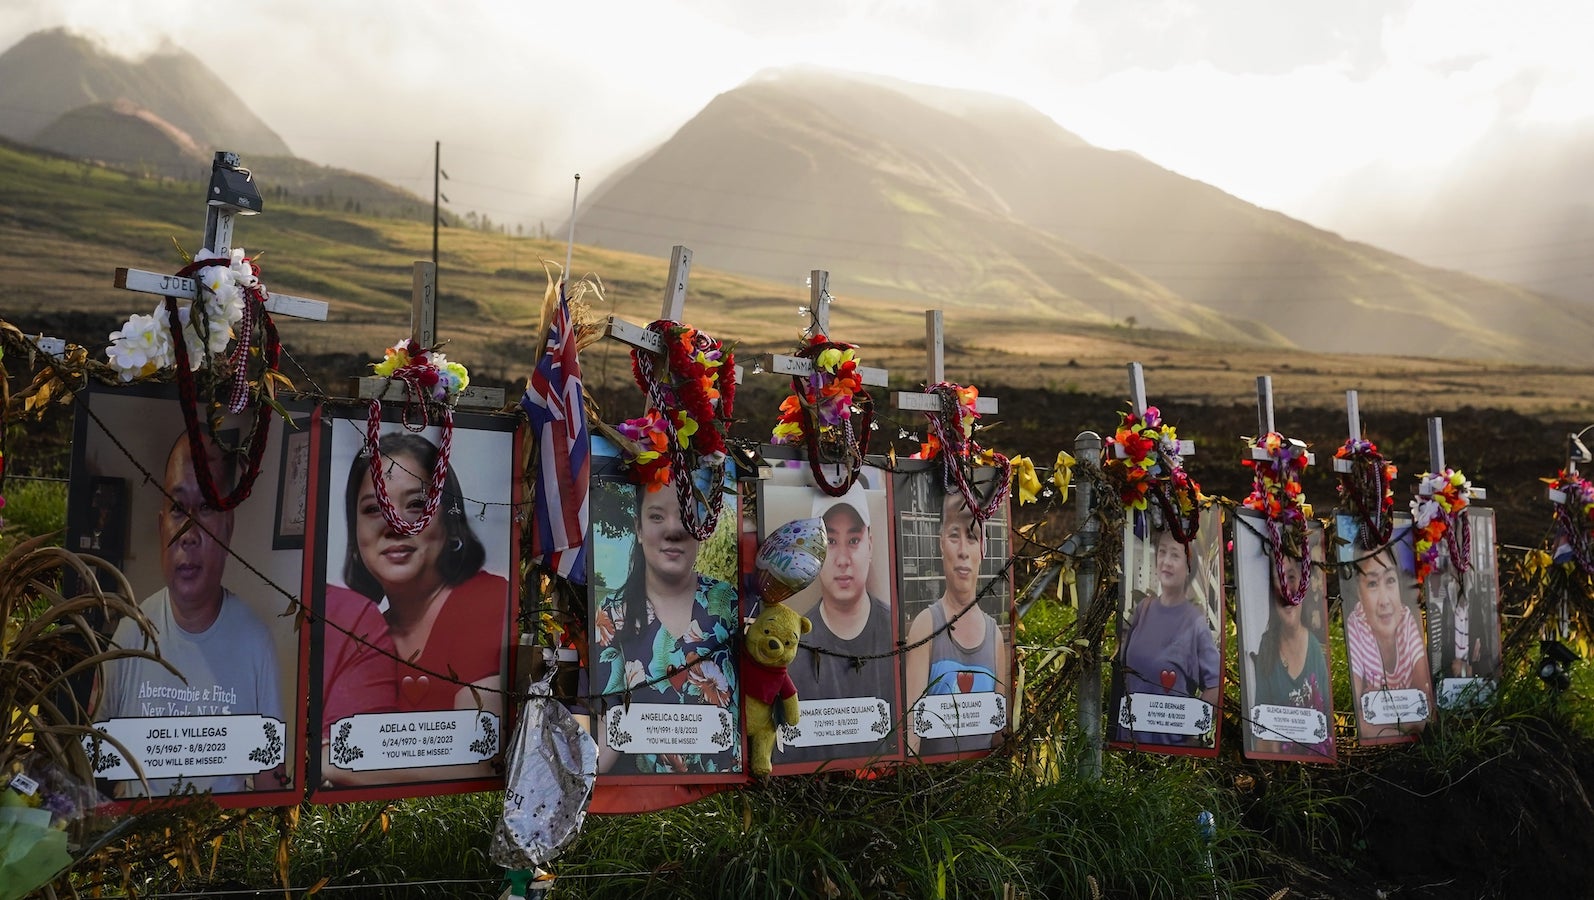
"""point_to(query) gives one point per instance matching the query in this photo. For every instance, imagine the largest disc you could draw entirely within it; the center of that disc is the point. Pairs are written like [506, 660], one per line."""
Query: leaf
[316, 888]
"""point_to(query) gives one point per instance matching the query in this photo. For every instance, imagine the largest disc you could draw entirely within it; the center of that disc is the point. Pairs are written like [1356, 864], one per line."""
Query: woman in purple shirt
[1168, 647]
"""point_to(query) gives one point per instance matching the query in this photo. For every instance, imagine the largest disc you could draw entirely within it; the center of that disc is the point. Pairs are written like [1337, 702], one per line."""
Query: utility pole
[437, 210]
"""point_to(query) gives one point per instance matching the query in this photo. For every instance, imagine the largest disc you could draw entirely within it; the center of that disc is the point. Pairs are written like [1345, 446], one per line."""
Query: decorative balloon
[789, 559]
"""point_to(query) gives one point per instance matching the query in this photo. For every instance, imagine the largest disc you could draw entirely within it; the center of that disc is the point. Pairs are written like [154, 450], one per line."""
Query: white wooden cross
[819, 308]
[1353, 412]
[1264, 419]
[1436, 458]
[423, 331]
[1137, 397]
[673, 310]
[674, 306]
[935, 356]
[231, 194]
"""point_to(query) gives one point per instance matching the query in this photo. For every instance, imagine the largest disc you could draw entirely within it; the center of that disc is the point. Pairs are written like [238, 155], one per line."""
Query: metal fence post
[1087, 449]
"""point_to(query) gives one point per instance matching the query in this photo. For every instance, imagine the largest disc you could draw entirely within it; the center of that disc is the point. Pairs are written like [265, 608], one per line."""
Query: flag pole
[570, 242]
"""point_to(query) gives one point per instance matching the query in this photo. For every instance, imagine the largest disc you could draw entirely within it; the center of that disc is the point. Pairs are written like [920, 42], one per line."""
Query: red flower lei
[1368, 492]
[692, 410]
[1276, 493]
[1151, 468]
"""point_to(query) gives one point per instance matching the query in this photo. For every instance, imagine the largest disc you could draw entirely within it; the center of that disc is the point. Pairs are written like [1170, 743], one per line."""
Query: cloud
[1262, 99]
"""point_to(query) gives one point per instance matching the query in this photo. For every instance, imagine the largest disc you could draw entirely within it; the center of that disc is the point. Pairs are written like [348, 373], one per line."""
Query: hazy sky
[1266, 99]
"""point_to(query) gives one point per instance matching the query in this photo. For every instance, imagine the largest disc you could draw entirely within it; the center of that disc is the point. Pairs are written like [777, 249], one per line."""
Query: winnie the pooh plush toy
[770, 646]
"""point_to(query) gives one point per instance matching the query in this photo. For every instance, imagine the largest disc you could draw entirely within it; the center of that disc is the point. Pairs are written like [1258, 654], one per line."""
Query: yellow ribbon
[1066, 576]
[1063, 474]
[1025, 482]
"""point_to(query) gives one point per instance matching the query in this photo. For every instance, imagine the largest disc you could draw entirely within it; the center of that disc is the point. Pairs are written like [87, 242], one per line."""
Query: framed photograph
[1285, 686]
[1168, 674]
[411, 641]
[293, 488]
[956, 601]
[212, 584]
[1391, 682]
[665, 609]
[1464, 621]
[846, 671]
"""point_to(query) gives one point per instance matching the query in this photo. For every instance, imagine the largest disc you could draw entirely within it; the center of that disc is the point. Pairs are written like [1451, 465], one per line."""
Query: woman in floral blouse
[666, 635]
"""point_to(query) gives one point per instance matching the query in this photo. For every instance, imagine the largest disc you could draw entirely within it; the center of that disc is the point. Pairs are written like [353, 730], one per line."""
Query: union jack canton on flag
[559, 421]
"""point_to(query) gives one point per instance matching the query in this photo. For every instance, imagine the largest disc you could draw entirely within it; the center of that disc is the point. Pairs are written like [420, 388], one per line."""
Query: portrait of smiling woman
[1390, 679]
[427, 583]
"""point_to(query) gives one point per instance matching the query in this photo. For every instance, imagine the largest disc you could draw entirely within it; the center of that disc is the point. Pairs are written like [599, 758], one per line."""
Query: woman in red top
[444, 612]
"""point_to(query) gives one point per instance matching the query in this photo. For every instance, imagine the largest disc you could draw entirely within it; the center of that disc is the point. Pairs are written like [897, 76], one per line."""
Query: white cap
[854, 498]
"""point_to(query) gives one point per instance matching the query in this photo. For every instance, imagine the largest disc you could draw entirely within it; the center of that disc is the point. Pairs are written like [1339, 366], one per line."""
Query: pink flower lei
[1574, 516]
[431, 381]
[1368, 492]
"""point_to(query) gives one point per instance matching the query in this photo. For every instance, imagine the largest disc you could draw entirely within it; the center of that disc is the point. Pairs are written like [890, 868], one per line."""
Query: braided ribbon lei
[705, 394]
[958, 451]
[254, 313]
[412, 376]
[1276, 493]
[1368, 492]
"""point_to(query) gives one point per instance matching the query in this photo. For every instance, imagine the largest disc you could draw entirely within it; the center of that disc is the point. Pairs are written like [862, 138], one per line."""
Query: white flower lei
[143, 345]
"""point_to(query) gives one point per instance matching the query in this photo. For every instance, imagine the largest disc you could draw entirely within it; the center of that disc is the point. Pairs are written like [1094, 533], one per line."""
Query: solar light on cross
[232, 193]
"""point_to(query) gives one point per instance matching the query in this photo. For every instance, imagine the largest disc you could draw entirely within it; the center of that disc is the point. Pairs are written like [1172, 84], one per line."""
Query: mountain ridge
[899, 195]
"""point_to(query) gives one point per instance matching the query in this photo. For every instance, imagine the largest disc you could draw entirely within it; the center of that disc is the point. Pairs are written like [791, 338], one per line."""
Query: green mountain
[972, 200]
[164, 116]
[51, 73]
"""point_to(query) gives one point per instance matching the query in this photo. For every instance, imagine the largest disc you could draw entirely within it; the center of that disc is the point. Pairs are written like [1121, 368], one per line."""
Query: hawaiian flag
[559, 422]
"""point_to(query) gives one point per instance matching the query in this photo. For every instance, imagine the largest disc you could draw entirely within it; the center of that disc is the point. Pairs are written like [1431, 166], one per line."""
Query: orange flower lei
[819, 411]
[1276, 492]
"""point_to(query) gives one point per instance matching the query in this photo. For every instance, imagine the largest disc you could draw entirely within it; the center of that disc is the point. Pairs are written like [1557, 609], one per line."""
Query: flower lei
[820, 410]
[1368, 492]
[1276, 493]
[229, 302]
[688, 419]
[1441, 499]
[1574, 516]
[950, 438]
[1152, 468]
[431, 380]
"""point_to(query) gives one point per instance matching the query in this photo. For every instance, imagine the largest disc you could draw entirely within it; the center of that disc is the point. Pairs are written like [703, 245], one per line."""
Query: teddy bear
[769, 646]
